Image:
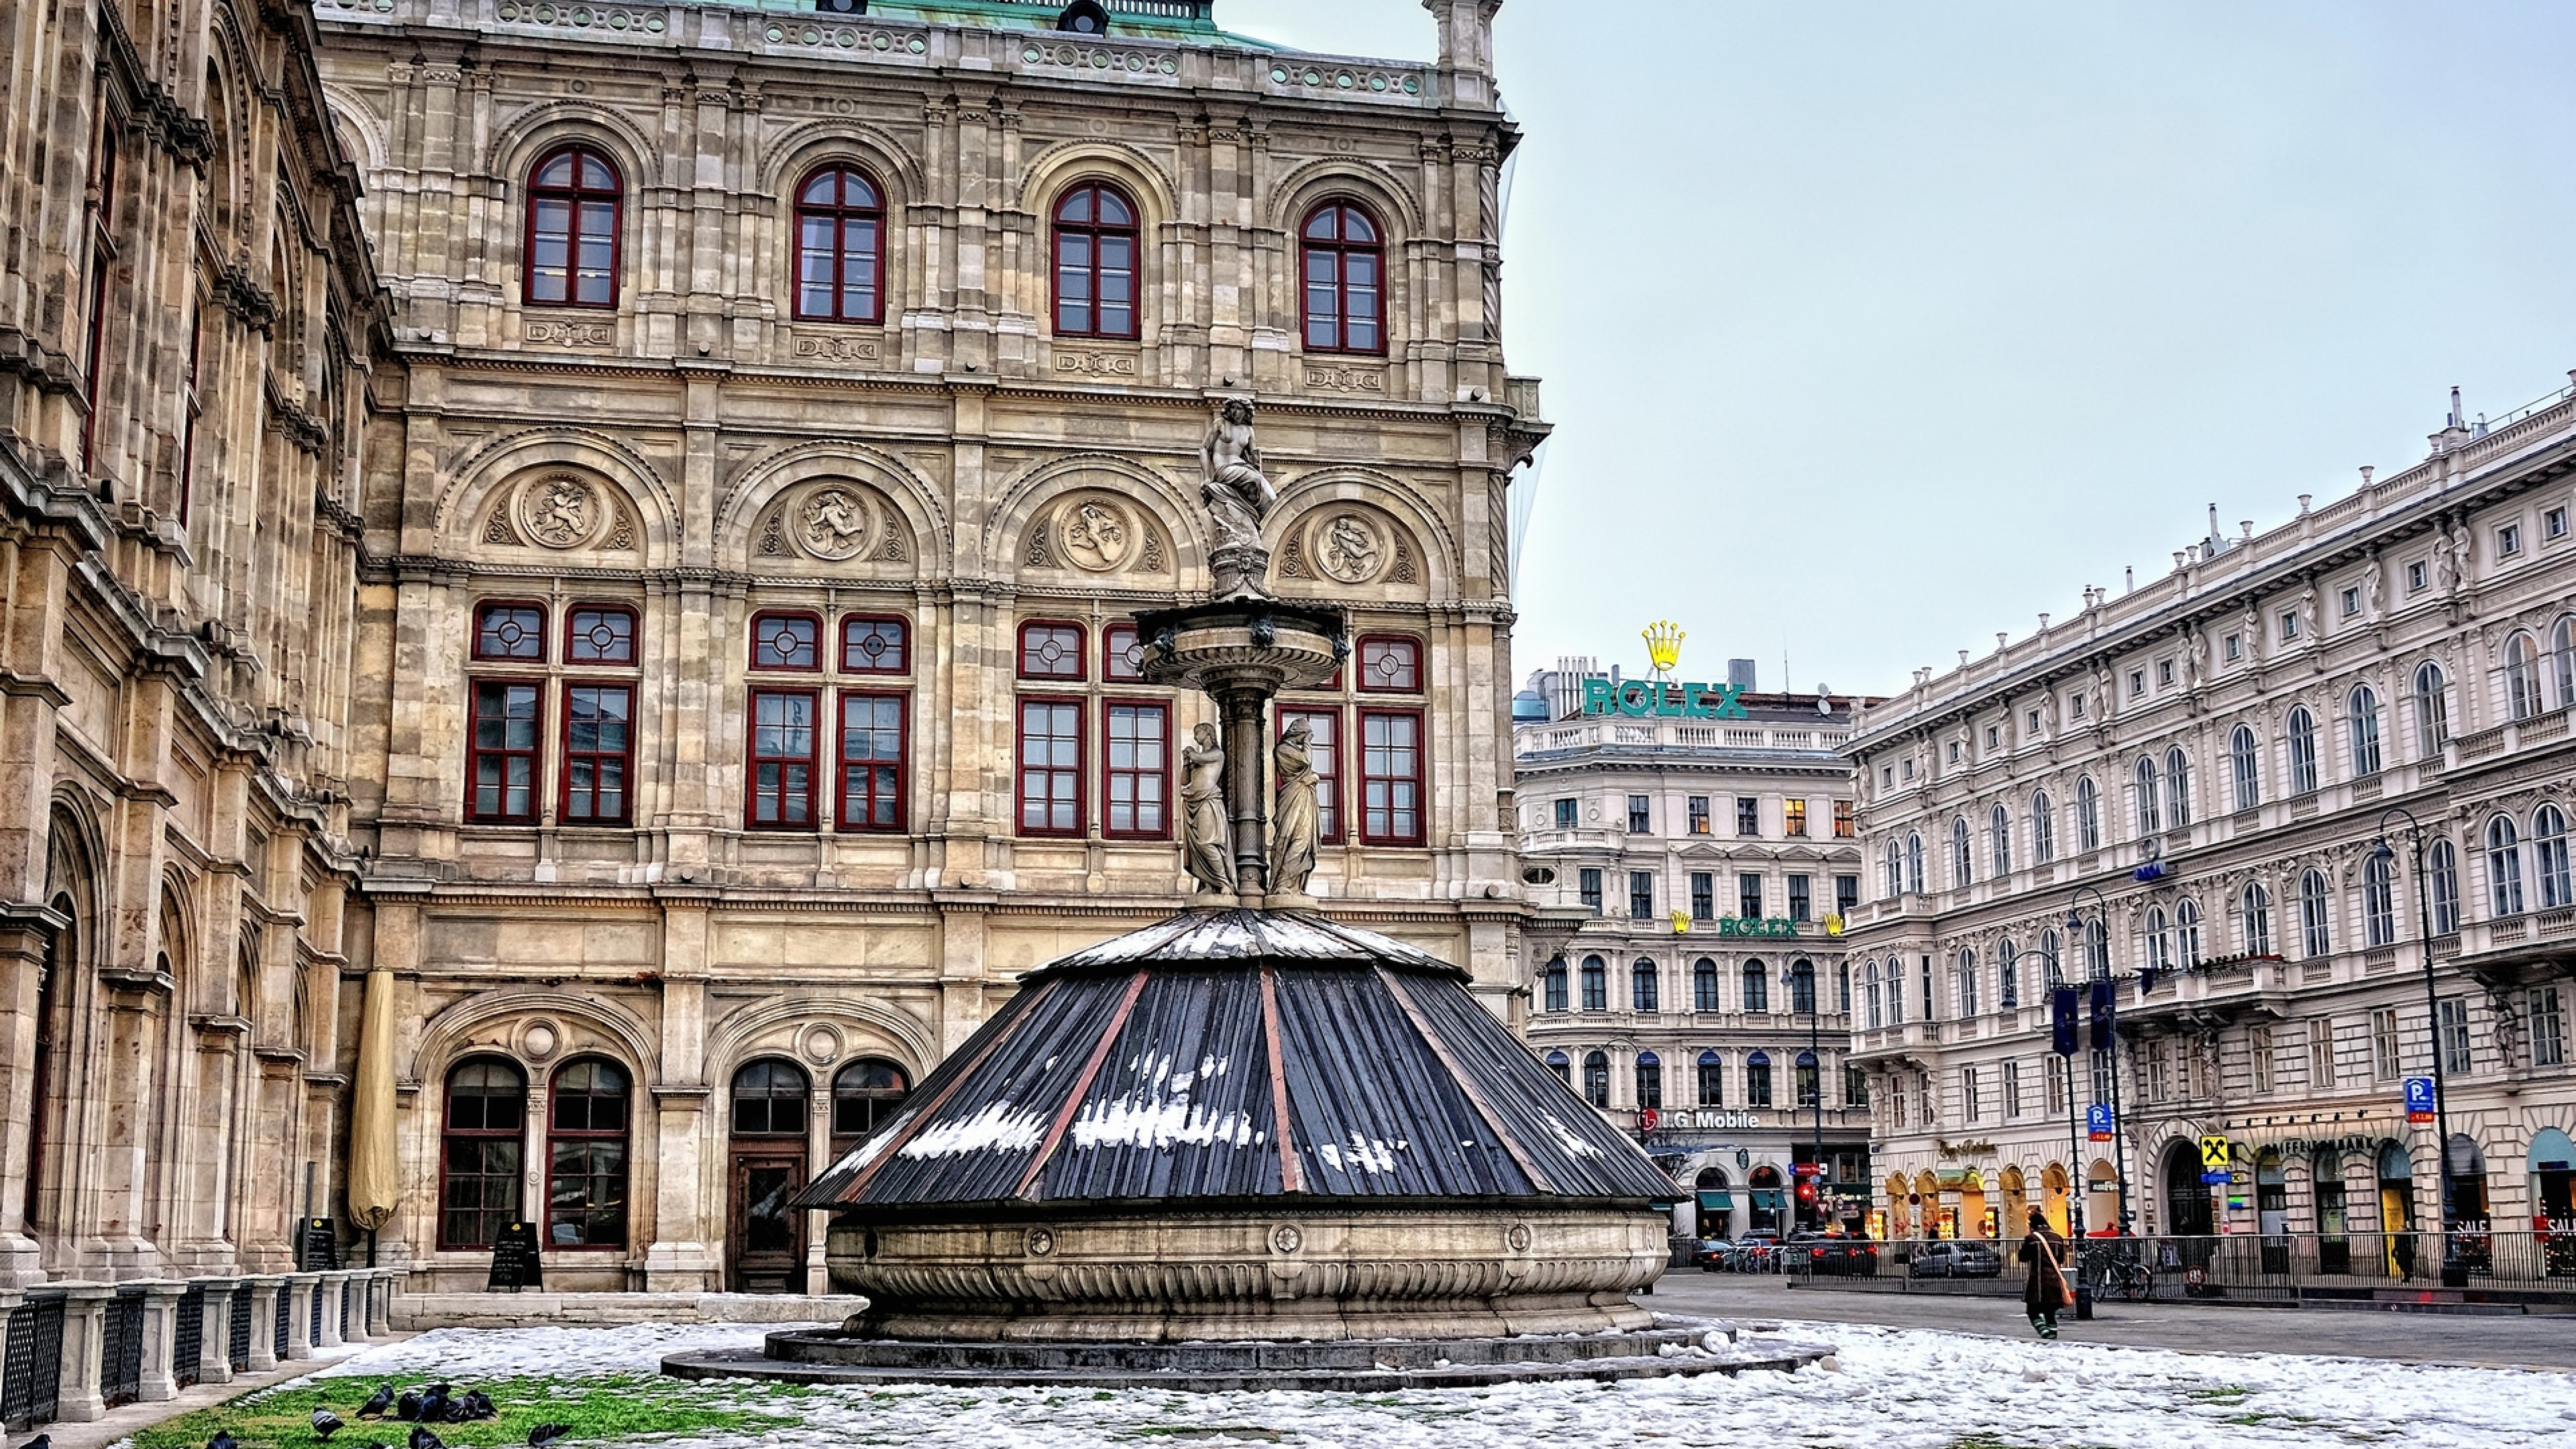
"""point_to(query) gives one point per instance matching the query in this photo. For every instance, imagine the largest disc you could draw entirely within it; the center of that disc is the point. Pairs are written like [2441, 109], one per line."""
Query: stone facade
[2204, 766]
[622, 478]
[1626, 823]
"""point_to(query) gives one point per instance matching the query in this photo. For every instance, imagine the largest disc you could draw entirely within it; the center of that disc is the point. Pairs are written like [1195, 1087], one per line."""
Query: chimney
[1739, 674]
[1466, 49]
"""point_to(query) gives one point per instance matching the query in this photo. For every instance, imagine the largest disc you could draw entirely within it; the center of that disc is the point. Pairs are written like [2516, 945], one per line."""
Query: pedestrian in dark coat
[2045, 1290]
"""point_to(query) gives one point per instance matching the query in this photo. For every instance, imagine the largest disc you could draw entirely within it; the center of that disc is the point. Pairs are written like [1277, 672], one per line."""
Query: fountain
[1248, 1146]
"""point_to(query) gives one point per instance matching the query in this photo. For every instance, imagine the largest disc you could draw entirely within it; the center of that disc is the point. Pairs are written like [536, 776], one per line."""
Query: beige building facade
[2186, 785]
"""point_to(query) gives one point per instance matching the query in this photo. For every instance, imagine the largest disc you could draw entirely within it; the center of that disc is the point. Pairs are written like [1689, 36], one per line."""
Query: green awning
[1717, 1202]
[1771, 1199]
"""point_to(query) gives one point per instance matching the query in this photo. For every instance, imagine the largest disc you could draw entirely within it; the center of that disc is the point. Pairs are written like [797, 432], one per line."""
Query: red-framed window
[1345, 267]
[1050, 649]
[1390, 664]
[510, 631]
[876, 644]
[1050, 773]
[782, 759]
[840, 247]
[1391, 777]
[787, 639]
[501, 750]
[874, 738]
[1136, 768]
[572, 236]
[480, 1138]
[1122, 654]
[1324, 752]
[599, 634]
[587, 1112]
[1095, 262]
[598, 752]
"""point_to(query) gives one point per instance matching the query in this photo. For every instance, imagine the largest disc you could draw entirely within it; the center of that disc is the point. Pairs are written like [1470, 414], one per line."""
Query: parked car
[1835, 1253]
[1756, 1252]
[1946, 1258]
[1711, 1253]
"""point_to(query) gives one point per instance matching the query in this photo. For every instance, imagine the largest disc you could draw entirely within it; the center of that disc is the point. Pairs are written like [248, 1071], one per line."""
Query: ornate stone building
[2186, 784]
[798, 403]
[1694, 870]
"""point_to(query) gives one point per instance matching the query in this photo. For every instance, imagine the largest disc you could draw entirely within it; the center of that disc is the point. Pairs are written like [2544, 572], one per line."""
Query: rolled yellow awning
[375, 1187]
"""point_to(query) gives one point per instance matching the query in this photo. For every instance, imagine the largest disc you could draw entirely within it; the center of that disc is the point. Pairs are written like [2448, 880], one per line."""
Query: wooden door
[764, 1236]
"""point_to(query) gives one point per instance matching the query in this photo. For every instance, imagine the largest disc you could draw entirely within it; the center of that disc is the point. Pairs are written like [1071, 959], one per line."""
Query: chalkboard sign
[319, 1248]
[514, 1259]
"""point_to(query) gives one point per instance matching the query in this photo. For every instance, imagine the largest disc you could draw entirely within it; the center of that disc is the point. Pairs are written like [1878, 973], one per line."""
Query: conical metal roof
[1161, 1065]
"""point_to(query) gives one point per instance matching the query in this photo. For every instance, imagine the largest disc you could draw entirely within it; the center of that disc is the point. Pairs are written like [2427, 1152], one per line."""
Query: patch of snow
[1566, 1139]
[998, 1128]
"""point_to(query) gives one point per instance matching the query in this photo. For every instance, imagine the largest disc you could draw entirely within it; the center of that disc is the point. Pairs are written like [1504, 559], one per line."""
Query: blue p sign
[2097, 1122]
[2419, 1098]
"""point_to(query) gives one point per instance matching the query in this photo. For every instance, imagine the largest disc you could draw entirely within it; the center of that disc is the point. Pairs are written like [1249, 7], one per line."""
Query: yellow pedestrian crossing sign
[2213, 1153]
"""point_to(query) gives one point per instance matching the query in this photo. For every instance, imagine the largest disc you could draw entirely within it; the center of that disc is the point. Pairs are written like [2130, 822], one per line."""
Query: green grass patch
[615, 1409]
[2217, 1396]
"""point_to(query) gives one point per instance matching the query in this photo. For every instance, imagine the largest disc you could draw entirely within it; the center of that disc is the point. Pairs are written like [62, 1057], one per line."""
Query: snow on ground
[1893, 1389]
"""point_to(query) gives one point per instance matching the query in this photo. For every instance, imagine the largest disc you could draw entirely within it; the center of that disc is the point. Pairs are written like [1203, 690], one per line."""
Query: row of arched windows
[1708, 1079]
[589, 1114]
[575, 230]
[1562, 987]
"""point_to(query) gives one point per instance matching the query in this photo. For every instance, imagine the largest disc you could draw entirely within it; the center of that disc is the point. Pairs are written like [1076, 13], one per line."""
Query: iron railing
[120, 1358]
[237, 1339]
[2271, 1267]
[285, 1322]
[31, 1378]
[188, 1336]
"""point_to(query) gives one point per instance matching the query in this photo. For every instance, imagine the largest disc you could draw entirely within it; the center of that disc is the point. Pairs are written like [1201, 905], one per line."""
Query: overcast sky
[1869, 330]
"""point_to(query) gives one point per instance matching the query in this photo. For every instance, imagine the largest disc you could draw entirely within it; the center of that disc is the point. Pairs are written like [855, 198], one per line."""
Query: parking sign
[2097, 1121]
[2419, 1099]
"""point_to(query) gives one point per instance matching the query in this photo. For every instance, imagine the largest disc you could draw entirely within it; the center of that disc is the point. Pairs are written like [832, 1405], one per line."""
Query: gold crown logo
[1663, 645]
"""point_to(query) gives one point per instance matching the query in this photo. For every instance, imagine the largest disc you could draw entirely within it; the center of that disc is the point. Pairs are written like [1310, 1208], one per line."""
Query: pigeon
[41, 1441]
[475, 1404]
[545, 1434]
[407, 1408]
[223, 1440]
[325, 1423]
[375, 1408]
[433, 1405]
[421, 1438]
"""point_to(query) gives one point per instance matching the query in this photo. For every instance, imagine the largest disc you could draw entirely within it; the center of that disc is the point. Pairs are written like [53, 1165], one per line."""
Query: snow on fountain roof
[1159, 1065]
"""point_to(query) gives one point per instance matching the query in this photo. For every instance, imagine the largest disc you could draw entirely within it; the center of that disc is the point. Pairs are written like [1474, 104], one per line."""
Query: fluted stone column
[263, 1293]
[84, 1348]
[160, 1378]
[215, 1333]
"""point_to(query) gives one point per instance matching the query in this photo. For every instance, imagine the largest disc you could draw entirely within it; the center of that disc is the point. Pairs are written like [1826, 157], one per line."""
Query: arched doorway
[53, 985]
[1716, 1202]
[764, 1237]
[2016, 1224]
[2187, 1209]
[2272, 1210]
[1900, 1208]
[2552, 1162]
[1972, 1206]
[2053, 1194]
[2325, 1186]
[1767, 1209]
[2397, 1209]
[2470, 1226]
[2101, 1196]
[1931, 1220]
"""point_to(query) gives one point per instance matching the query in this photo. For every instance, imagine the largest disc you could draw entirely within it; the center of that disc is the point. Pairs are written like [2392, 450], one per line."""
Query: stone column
[84, 1347]
[381, 1286]
[215, 1334]
[334, 1289]
[361, 1289]
[299, 1313]
[160, 1379]
[10, 1298]
[263, 1321]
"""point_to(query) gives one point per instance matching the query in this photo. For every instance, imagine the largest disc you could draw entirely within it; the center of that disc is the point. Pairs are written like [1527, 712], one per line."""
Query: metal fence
[188, 1337]
[237, 1332]
[31, 1378]
[285, 1322]
[2248, 1267]
[120, 1358]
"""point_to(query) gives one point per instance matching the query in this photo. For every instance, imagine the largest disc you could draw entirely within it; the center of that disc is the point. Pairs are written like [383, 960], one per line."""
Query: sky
[1870, 330]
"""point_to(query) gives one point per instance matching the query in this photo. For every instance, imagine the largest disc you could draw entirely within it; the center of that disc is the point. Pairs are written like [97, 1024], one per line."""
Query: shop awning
[1717, 1202]
[1770, 1199]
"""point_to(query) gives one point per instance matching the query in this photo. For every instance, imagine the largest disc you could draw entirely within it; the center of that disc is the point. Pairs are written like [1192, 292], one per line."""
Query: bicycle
[2119, 1276]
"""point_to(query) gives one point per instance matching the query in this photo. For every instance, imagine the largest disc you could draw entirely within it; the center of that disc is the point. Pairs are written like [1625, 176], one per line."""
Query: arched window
[2432, 711]
[866, 1094]
[1642, 986]
[2159, 940]
[2254, 920]
[2361, 712]
[1563, 1066]
[2150, 819]
[1757, 1080]
[2043, 829]
[2178, 787]
[1999, 826]
[2187, 952]
[2245, 763]
[2303, 751]
[1800, 978]
[1842, 990]
[2088, 816]
[2097, 949]
[1894, 864]
[1869, 994]
[1650, 1080]
[2007, 975]
[1914, 862]
[1757, 987]
[2049, 959]
[769, 1099]
[2549, 856]
[1704, 985]
[1811, 1083]
[572, 237]
[1596, 1078]
[1555, 982]
[1344, 267]
[1095, 262]
[478, 1162]
[1967, 985]
[2316, 931]
[1962, 870]
[1596, 984]
[586, 1156]
[2445, 870]
[2562, 662]
[1712, 1080]
[2378, 902]
[840, 247]
[2504, 867]
[2521, 677]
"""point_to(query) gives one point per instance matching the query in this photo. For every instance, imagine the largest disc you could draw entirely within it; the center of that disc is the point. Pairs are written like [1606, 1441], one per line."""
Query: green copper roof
[1156, 19]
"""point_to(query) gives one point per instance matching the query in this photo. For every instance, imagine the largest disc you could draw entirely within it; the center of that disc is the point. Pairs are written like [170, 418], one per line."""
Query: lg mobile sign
[1642, 697]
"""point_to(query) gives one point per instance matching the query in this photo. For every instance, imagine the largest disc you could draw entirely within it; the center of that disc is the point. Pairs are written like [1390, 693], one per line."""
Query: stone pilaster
[300, 1288]
[214, 1335]
[334, 1288]
[84, 1349]
[160, 1379]
[263, 1293]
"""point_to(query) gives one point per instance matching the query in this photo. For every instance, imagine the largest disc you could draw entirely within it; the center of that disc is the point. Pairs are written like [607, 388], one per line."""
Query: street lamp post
[2101, 971]
[2455, 1274]
[2074, 1150]
[1815, 1053]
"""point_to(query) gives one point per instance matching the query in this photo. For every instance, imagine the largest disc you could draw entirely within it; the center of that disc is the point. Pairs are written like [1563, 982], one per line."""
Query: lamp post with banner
[2103, 989]
[2061, 1020]
[1803, 977]
[2455, 1273]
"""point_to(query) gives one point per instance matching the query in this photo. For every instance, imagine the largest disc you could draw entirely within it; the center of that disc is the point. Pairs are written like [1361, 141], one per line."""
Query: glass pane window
[512, 632]
[1343, 262]
[1391, 665]
[1596, 984]
[487, 1103]
[1391, 777]
[1095, 263]
[875, 644]
[1139, 773]
[840, 221]
[782, 758]
[1051, 651]
[573, 202]
[786, 641]
[600, 636]
[586, 1146]
[1050, 788]
[599, 750]
[865, 1096]
[769, 1099]
[1122, 653]
[501, 754]
[872, 761]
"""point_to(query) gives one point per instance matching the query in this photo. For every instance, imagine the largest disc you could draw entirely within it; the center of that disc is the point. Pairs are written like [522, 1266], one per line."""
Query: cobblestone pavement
[2520, 1341]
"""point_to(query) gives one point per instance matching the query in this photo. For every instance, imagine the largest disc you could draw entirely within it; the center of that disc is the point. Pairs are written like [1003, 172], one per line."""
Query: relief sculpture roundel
[1349, 548]
[834, 522]
[562, 511]
[1096, 535]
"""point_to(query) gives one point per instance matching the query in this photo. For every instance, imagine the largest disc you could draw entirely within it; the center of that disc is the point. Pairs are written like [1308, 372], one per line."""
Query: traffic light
[2106, 998]
[2061, 1019]
[1807, 1190]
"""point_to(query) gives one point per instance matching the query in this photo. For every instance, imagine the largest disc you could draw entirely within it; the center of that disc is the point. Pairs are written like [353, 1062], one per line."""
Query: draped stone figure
[1207, 840]
[1295, 822]
[1238, 493]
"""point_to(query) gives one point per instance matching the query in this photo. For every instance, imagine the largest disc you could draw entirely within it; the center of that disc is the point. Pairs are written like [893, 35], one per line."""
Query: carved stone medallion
[833, 522]
[1349, 548]
[1096, 535]
[562, 511]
